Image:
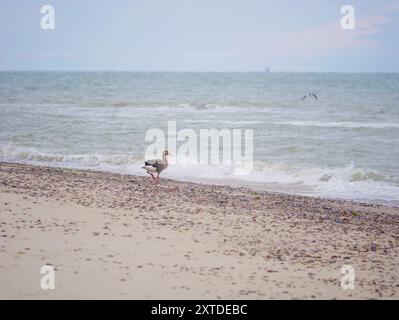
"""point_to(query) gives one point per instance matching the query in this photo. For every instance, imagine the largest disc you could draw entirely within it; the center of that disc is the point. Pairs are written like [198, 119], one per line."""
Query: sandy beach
[120, 237]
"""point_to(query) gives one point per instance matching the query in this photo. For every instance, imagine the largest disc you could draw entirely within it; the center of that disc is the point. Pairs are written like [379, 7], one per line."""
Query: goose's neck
[165, 158]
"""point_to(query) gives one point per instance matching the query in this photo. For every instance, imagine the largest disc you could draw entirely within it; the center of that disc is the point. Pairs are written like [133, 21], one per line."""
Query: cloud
[394, 6]
[305, 43]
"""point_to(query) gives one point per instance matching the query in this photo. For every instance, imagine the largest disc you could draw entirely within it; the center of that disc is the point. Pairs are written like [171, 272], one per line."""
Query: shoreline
[255, 186]
[118, 236]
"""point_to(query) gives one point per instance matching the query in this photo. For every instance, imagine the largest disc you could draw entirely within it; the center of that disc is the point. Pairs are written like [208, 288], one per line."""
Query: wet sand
[119, 236]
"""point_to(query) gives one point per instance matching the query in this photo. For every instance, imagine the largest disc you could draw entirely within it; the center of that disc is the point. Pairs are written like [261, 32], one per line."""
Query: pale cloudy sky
[200, 35]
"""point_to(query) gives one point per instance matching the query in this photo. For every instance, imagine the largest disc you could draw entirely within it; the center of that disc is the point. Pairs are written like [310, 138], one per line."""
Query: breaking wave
[347, 182]
[338, 124]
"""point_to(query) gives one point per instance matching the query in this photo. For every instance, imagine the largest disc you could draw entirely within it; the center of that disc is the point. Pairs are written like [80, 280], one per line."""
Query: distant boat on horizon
[267, 70]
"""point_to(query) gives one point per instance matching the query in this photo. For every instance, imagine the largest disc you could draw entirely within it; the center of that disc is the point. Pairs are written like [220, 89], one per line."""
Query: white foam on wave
[120, 163]
[185, 107]
[227, 122]
[336, 124]
[347, 182]
[212, 108]
[193, 108]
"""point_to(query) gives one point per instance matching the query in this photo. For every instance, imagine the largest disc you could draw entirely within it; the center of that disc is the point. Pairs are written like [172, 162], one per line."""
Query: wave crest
[356, 125]
[347, 182]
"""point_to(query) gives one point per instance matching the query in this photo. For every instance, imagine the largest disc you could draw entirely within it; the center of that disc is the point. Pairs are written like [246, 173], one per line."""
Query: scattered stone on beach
[238, 241]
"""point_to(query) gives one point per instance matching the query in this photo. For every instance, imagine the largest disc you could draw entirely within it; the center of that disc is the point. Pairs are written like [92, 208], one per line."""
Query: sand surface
[119, 236]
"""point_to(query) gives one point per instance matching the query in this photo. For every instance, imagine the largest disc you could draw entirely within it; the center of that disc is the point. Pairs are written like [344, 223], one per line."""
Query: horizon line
[191, 71]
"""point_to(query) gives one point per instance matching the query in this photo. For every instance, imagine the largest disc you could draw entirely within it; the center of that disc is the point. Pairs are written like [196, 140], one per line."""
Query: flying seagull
[156, 166]
[310, 94]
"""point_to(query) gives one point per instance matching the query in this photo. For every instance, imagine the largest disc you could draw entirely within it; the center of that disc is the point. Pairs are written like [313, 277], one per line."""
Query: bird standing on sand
[310, 94]
[156, 166]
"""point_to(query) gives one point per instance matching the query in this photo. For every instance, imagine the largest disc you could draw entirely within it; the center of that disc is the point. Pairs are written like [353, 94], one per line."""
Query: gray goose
[156, 166]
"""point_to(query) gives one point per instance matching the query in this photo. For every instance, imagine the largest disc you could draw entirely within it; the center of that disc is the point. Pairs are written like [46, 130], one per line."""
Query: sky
[200, 35]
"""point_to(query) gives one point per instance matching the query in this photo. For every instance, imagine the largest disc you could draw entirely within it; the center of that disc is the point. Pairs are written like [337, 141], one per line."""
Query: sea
[344, 144]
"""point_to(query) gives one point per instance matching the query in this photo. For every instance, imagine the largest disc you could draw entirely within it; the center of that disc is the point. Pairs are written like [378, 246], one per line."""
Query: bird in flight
[310, 94]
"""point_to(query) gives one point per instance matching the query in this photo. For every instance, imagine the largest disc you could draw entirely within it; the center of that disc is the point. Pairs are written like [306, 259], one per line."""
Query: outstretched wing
[314, 95]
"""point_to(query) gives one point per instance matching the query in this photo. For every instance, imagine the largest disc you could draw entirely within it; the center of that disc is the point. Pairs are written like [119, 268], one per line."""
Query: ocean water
[344, 145]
